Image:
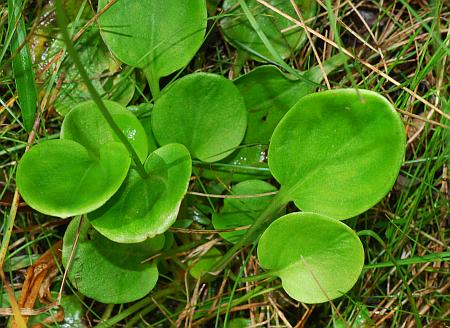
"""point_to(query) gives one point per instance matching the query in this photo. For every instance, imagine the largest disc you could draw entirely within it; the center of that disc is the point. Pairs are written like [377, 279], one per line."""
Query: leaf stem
[62, 23]
[153, 82]
[278, 202]
[258, 277]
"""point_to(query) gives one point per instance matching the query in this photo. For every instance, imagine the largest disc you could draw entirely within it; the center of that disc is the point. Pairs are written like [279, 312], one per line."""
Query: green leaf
[157, 36]
[73, 308]
[240, 212]
[120, 88]
[86, 125]
[22, 65]
[338, 152]
[204, 263]
[19, 262]
[317, 258]
[145, 208]
[241, 34]
[268, 94]
[106, 271]
[204, 112]
[61, 178]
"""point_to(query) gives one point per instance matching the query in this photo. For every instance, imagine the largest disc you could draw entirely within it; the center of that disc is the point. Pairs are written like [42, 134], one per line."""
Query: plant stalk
[153, 82]
[62, 23]
[255, 278]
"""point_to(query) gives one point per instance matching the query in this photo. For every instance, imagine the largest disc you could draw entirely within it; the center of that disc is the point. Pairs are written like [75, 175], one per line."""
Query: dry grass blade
[38, 279]
[14, 310]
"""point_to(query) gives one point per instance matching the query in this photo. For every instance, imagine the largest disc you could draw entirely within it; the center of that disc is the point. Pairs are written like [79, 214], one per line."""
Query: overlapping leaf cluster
[334, 154]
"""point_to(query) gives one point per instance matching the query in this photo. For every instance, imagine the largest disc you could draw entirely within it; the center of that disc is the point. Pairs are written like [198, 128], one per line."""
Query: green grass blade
[22, 65]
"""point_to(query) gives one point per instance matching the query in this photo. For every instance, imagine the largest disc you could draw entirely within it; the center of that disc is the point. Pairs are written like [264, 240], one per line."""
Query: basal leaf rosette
[146, 207]
[338, 152]
[317, 258]
[205, 112]
[106, 271]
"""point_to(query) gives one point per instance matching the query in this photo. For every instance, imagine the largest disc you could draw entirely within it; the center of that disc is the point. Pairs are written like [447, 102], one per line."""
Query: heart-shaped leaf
[143, 208]
[87, 126]
[204, 112]
[338, 152]
[61, 178]
[240, 212]
[106, 271]
[157, 36]
[316, 257]
[241, 34]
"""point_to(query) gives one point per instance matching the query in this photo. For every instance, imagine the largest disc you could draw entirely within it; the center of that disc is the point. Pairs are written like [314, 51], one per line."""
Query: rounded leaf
[106, 271]
[61, 178]
[241, 212]
[158, 36]
[241, 34]
[338, 152]
[317, 258]
[143, 208]
[87, 126]
[205, 112]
